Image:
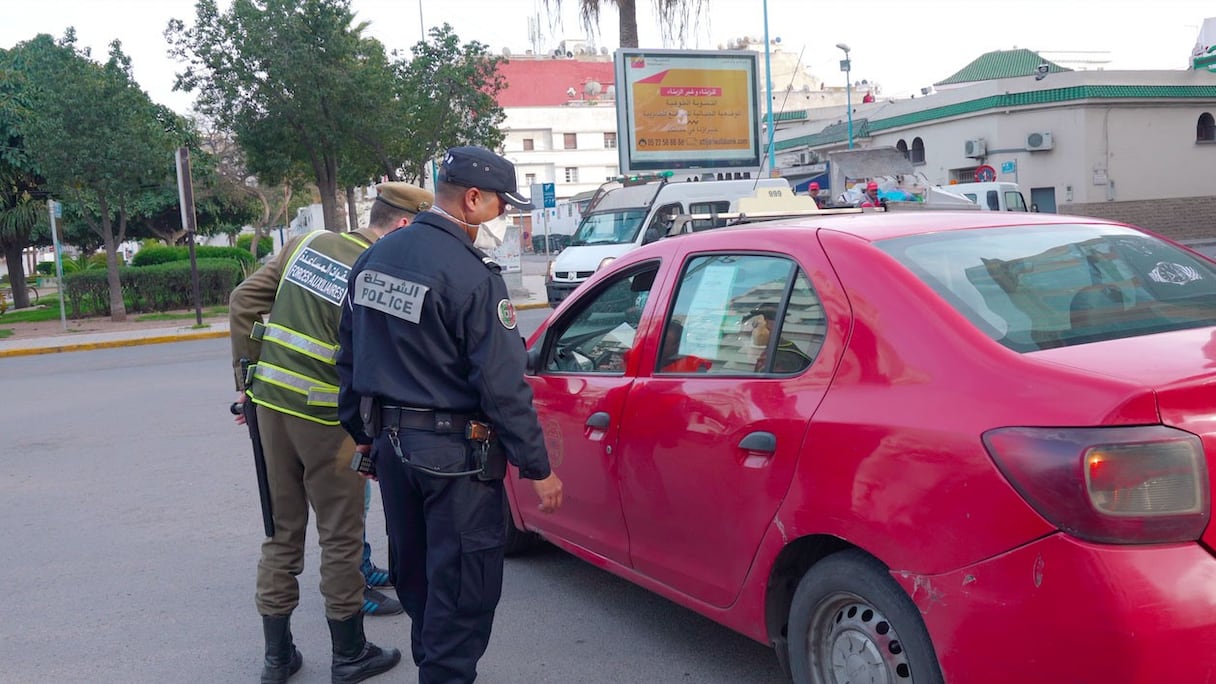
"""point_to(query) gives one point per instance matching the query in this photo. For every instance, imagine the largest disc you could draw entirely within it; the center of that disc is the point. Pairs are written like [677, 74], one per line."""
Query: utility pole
[185, 192]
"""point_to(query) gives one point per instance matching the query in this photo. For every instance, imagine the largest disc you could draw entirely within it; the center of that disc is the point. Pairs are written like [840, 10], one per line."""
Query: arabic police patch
[506, 314]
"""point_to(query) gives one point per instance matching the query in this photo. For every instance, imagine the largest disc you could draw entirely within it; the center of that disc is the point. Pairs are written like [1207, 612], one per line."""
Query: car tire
[850, 621]
[517, 541]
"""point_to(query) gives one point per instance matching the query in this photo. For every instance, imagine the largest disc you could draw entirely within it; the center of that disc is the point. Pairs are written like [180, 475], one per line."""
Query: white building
[1135, 146]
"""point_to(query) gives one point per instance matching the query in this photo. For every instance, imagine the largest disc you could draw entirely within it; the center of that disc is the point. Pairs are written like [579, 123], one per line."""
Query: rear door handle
[759, 441]
[598, 421]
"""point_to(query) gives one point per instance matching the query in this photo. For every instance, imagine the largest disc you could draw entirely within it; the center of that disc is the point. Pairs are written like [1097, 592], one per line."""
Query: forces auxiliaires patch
[506, 314]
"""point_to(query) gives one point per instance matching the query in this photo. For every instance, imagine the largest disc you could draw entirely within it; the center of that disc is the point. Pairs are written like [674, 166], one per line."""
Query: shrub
[159, 287]
[45, 268]
[160, 254]
[265, 245]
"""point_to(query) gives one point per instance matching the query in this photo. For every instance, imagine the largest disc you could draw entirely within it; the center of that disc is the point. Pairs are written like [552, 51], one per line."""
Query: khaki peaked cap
[405, 197]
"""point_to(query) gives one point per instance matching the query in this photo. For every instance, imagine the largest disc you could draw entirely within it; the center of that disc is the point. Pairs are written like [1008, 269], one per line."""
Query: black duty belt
[423, 419]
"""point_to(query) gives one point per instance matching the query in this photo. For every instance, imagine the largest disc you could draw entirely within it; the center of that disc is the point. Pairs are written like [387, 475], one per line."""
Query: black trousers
[447, 537]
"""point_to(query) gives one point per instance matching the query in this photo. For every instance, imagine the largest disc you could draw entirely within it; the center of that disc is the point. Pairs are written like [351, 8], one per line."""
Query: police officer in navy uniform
[429, 354]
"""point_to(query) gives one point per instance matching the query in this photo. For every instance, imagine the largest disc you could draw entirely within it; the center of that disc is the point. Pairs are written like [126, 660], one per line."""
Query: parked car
[907, 447]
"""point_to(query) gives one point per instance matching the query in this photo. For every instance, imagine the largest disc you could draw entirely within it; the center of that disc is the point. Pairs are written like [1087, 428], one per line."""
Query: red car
[913, 447]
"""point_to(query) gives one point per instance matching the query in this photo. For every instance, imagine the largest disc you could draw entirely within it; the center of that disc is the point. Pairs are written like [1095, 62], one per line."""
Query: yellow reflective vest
[295, 372]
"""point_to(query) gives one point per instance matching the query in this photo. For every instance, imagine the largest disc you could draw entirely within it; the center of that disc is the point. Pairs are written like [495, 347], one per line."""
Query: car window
[596, 338]
[1014, 201]
[717, 207]
[994, 201]
[1038, 287]
[662, 219]
[742, 315]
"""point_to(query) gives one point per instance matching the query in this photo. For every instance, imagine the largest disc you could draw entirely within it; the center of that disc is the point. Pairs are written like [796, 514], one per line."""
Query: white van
[993, 196]
[622, 218]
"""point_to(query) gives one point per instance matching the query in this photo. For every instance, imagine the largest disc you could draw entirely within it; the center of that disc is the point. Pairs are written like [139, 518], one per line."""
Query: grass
[49, 311]
[5, 332]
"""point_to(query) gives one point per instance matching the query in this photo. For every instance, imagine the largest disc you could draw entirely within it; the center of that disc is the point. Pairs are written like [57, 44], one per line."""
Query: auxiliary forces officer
[430, 358]
[294, 384]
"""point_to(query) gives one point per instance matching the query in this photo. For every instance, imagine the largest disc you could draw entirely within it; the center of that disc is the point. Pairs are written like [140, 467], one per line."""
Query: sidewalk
[527, 292]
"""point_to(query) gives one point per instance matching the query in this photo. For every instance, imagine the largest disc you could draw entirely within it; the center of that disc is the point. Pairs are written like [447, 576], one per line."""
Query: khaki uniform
[294, 384]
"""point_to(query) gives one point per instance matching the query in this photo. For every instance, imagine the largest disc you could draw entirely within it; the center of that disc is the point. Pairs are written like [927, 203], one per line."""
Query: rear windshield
[1038, 287]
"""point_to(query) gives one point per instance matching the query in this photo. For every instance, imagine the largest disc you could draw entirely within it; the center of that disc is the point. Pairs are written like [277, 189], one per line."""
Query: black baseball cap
[477, 167]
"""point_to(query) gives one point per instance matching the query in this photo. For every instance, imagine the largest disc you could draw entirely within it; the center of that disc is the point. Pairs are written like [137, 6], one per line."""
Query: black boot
[355, 658]
[282, 658]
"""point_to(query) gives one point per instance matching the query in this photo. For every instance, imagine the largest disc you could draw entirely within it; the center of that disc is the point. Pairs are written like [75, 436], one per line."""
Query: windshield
[1038, 287]
[609, 228]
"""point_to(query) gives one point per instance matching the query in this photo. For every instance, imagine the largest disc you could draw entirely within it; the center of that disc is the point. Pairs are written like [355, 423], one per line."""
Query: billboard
[685, 109]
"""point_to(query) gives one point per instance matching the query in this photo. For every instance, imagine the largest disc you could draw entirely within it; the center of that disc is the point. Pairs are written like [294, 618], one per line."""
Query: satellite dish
[610, 92]
[592, 88]
[506, 52]
[603, 49]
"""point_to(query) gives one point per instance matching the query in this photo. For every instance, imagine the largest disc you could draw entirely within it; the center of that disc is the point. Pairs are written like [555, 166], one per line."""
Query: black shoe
[377, 603]
[356, 658]
[282, 658]
[376, 577]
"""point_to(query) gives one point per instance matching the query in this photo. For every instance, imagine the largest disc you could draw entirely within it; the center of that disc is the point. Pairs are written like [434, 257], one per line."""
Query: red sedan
[914, 447]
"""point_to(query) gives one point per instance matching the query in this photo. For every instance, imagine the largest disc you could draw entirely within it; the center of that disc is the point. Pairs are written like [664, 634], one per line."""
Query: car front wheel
[851, 622]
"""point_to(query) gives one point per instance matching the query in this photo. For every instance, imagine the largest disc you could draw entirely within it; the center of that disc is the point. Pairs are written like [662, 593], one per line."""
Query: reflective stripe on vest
[318, 394]
[298, 341]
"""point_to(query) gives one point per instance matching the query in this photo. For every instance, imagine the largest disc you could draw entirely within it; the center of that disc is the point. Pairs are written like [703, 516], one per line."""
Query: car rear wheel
[518, 541]
[851, 622]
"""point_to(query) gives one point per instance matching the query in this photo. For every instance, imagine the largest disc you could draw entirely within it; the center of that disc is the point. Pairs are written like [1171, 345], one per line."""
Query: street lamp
[846, 67]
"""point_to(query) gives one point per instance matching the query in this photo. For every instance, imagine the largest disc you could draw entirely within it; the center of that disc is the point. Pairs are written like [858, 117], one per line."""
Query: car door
[714, 424]
[580, 391]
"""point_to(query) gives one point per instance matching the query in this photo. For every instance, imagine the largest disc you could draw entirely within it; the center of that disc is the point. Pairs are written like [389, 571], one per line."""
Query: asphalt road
[130, 533]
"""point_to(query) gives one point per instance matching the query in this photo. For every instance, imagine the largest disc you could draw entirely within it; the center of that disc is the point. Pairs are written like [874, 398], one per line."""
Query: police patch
[394, 296]
[506, 314]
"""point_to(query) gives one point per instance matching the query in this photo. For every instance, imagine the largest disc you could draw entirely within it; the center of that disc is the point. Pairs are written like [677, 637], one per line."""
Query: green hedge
[160, 254]
[265, 245]
[160, 287]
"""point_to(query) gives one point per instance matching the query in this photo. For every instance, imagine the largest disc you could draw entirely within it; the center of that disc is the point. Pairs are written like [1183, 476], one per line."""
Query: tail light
[1118, 485]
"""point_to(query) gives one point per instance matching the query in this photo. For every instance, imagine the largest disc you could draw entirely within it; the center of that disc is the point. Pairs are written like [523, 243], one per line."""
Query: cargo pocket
[481, 560]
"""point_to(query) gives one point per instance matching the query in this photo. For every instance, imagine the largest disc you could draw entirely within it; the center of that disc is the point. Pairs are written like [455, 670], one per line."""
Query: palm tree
[19, 213]
[675, 17]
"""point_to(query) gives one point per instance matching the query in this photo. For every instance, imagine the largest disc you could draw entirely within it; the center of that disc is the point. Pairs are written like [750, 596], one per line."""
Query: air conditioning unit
[1039, 140]
[975, 148]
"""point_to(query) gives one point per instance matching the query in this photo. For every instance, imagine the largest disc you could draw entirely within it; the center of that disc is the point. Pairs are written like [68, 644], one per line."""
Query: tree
[449, 93]
[675, 17]
[99, 140]
[284, 77]
[21, 187]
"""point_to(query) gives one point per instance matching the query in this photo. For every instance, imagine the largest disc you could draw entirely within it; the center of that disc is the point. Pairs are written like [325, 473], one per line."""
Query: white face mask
[491, 234]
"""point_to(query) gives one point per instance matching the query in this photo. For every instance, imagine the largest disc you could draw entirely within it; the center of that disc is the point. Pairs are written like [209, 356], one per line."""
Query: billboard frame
[695, 157]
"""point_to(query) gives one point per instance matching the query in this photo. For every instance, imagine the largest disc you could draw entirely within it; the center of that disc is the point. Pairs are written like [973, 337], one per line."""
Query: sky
[903, 45]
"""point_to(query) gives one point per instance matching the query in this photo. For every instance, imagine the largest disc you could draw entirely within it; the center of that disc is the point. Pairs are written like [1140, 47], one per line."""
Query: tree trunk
[118, 310]
[326, 170]
[628, 10]
[352, 209]
[16, 274]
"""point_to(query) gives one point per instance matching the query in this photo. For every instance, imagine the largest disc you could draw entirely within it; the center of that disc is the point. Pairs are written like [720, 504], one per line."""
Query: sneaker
[376, 577]
[376, 603]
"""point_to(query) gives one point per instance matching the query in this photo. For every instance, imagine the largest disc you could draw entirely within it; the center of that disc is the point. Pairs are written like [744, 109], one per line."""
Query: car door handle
[598, 421]
[759, 441]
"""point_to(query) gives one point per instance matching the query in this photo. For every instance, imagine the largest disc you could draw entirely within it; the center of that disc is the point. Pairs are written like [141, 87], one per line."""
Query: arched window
[902, 147]
[1206, 130]
[918, 151]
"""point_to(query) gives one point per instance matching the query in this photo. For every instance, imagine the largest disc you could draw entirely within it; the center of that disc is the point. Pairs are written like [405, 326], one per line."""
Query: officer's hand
[239, 404]
[549, 490]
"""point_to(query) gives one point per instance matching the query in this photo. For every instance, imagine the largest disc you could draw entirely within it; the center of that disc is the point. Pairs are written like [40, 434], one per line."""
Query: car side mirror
[652, 234]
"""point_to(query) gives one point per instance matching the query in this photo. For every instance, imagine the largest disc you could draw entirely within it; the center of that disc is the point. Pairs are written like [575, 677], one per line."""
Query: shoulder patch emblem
[506, 314]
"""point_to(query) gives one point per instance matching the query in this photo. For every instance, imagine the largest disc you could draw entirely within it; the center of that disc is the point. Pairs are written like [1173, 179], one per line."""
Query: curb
[110, 344]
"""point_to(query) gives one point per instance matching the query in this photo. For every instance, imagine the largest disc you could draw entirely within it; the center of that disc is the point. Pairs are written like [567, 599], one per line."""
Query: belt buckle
[443, 422]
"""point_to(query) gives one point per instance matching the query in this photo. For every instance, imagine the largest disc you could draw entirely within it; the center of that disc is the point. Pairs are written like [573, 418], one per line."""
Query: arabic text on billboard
[692, 109]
